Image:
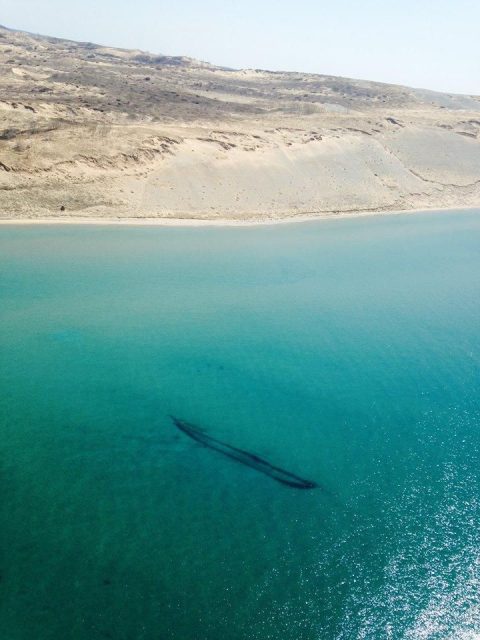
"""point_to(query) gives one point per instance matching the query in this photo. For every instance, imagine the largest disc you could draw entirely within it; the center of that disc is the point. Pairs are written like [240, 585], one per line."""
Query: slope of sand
[90, 132]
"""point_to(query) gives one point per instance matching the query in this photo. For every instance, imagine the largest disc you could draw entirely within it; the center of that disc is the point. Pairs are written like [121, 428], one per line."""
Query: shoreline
[221, 222]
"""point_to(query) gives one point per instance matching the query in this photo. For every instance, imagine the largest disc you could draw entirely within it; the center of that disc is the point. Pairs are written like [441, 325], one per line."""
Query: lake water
[344, 351]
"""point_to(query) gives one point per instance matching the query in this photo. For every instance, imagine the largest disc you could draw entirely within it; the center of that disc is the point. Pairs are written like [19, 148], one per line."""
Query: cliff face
[91, 131]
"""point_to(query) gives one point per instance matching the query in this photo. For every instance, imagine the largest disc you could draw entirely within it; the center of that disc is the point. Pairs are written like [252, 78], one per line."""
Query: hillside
[95, 132]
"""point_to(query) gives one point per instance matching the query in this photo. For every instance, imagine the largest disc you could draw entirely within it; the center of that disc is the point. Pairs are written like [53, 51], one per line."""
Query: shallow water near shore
[346, 352]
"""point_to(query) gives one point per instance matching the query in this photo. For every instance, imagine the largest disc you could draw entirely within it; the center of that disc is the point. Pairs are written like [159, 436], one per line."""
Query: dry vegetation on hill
[92, 131]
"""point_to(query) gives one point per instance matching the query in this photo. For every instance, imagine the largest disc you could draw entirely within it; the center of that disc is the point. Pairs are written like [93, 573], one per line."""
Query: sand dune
[94, 132]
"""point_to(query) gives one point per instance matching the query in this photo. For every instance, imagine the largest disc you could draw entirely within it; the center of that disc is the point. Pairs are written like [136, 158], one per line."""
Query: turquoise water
[346, 352]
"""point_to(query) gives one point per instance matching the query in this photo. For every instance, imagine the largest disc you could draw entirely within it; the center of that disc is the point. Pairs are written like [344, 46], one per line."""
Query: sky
[432, 44]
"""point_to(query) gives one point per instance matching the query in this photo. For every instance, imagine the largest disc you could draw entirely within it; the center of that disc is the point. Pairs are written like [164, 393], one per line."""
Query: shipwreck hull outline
[243, 457]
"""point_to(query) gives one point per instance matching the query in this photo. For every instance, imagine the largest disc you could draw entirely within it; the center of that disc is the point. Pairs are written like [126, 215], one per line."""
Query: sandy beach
[219, 222]
[93, 133]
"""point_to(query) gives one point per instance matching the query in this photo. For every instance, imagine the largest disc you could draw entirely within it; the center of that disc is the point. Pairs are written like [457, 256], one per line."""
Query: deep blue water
[345, 351]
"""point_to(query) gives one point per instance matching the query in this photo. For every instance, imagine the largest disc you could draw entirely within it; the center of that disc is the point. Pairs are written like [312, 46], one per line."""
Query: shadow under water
[244, 457]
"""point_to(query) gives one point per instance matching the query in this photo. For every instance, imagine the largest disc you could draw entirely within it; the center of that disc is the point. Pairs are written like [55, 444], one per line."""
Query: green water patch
[345, 352]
